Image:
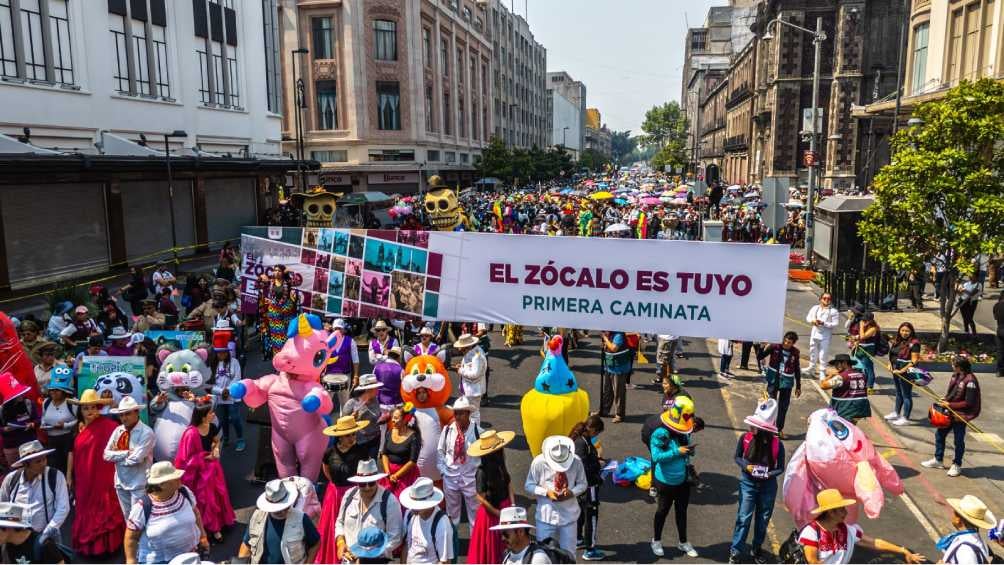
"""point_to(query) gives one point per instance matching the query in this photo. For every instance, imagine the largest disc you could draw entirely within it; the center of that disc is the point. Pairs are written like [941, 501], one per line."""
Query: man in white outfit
[557, 478]
[823, 318]
[472, 369]
[459, 470]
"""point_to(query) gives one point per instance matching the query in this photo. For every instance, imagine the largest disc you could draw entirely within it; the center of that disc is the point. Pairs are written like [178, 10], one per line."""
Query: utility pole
[817, 39]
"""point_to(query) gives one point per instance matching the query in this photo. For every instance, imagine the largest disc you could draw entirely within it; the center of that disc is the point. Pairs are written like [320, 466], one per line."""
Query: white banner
[685, 288]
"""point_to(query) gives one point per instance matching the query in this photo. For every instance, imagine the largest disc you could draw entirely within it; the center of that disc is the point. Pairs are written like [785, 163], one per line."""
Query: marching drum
[338, 387]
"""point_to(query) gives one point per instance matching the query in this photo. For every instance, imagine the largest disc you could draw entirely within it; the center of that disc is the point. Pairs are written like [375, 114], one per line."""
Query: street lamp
[300, 102]
[818, 37]
[170, 188]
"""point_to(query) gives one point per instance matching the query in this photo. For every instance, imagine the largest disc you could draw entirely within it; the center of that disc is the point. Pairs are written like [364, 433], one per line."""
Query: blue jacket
[669, 466]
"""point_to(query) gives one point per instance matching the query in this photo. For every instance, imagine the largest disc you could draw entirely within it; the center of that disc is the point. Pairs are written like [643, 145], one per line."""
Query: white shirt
[131, 464]
[226, 374]
[418, 537]
[55, 414]
[170, 531]
[382, 356]
[30, 495]
[963, 549]
[539, 557]
[159, 278]
[830, 317]
[447, 466]
[472, 370]
[540, 479]
[352, 518]
[831, 548]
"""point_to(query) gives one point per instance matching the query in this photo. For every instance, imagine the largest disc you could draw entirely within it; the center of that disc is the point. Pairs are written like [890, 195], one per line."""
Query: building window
[327, 104]
[385, 40]
[392, 155]
[461, 117]
[971, 49]
[273, 78]
[324, 37]
[474, 119]
[465, 158]
[149, 74]
[216, 24]
[444, 56]
[330, 156]
[919, 69]
[987, 60]
[432, 155]
[447, 126]
[430, 123]
[34, 39]
[388, 106]
[460, 65]
[955, 46]
[426, 47]
[451, 156]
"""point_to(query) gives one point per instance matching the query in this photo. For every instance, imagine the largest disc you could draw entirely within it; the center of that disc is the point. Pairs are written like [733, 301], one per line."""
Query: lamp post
[170, 188]
[299, 102]
[818, 37]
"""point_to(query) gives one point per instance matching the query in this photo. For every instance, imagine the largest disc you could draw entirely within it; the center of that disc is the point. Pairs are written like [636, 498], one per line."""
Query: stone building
[739, 156]
[712, 130]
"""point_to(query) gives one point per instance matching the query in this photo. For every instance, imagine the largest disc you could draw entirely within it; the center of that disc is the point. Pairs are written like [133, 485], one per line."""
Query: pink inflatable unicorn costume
[837, 454]
[296, 399]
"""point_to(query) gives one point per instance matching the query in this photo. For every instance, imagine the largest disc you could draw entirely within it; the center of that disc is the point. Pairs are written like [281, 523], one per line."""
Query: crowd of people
[388, 489]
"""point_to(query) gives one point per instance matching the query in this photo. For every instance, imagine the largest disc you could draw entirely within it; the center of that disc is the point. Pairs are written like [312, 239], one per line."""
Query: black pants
[613, 394]
[668, 496]
[63, 444]
[1000, 353]
[589, 513]
[783, 398]
[744, 358]
[968, 310]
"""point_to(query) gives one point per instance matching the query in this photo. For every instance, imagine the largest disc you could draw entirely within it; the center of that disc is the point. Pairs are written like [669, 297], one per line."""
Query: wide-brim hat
[279, 495]
[48, 346]
[367, 472]
[426, 330]
[512, 518]
[421, 495]
[119, 333]
[368, 382]
[490, 441]
[462, 403]
[12, 516]
[680, 415]
[30, 450]
[973, 511]
[11, 388]
[559, 453]
[830, 499]
[764, 416]
[840, 357]
[127, 404]
[161, 472]
[370, 543]
[466, 340]
[381, 325]
[345, 425]
[90, 396]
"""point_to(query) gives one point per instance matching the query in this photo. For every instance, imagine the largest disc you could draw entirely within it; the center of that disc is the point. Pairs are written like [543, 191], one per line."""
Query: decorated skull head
[319, 207]
[442, 206]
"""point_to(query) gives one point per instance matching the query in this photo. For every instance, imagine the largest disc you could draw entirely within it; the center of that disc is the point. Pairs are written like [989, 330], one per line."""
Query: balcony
[738, 95]
[736, 144]
[713, 126]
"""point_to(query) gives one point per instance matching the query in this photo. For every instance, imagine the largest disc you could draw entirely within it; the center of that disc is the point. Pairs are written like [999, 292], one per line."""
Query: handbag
[939, 416]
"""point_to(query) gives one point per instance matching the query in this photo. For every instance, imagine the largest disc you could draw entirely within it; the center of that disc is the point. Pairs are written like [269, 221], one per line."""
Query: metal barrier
[869, 289]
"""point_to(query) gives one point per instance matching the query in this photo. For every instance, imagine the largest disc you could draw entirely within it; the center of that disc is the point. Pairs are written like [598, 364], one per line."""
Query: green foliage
[593, 160]
[663, 125]
[622, 145]
[521, 165]
[943, 194]
[673, 153]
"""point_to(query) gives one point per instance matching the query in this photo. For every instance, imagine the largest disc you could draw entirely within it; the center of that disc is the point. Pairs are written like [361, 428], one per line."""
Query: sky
[629, 53]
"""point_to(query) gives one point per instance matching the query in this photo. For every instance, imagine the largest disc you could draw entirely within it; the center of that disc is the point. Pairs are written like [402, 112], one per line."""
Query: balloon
[238, 390]
[310, 403]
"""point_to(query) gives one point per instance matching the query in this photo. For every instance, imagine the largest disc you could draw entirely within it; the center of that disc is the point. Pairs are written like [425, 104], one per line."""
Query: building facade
[739, 111]
[568, 111]
[713, 132]
[393, 90]
[90, 89]
[519, 80]
[597, 137]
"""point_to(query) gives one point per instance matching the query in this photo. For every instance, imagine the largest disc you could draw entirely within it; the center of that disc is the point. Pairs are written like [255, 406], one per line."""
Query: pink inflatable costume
[837, 454]
[296, 399]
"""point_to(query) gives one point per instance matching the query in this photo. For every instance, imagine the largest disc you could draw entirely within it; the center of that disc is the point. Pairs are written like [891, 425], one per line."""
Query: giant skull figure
[319, 207]
[443, 208]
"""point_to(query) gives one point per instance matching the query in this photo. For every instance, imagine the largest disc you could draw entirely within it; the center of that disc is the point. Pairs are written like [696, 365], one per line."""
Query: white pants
[818, 349]
[456, 490]
[475, 408]
[564, 535]
[129, 497]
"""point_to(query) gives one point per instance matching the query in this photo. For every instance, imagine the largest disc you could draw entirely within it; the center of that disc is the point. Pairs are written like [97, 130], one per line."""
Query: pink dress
[205, 478]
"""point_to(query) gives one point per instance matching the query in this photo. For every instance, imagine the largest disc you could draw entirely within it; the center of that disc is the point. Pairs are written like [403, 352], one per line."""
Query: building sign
[807, 120]
[393, 178]
[335, 179]
[698, 289]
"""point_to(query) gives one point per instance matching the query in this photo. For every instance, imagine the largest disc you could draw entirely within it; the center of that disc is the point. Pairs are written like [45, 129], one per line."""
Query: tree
[521, 166]
[495, 160]
[622, 145]
[673, 154]
[664, 124]
[942, 197]
[593, 160]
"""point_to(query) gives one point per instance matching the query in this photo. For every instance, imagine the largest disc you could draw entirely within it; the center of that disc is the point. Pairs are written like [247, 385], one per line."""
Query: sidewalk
[907, 446]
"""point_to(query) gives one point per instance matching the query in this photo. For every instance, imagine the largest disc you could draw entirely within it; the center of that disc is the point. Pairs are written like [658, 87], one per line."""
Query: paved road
[626, 514]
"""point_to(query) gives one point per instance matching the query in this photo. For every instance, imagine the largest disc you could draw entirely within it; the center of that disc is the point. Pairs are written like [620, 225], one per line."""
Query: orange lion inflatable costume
[426, 384]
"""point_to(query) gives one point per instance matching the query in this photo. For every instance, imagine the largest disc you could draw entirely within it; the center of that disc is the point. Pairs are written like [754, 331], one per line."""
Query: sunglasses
[367, 485]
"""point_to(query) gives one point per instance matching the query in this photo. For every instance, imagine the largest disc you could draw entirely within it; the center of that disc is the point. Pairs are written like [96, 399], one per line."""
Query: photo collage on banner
[369, 273]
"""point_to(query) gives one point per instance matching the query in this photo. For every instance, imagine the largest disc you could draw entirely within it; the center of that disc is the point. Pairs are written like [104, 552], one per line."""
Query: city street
[626, 513]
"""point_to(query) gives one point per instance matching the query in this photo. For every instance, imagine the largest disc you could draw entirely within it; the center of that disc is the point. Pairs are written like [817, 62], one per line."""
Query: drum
[338, 386]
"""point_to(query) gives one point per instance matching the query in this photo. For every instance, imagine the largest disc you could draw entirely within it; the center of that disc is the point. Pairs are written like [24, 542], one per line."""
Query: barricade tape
[170, 250]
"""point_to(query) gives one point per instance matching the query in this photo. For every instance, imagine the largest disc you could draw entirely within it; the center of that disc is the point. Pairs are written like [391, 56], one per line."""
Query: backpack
[383, 502]
[436, 519]
[775, 447]
[148, 502]
[549, 546]
[791, 551]
[652, 423]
